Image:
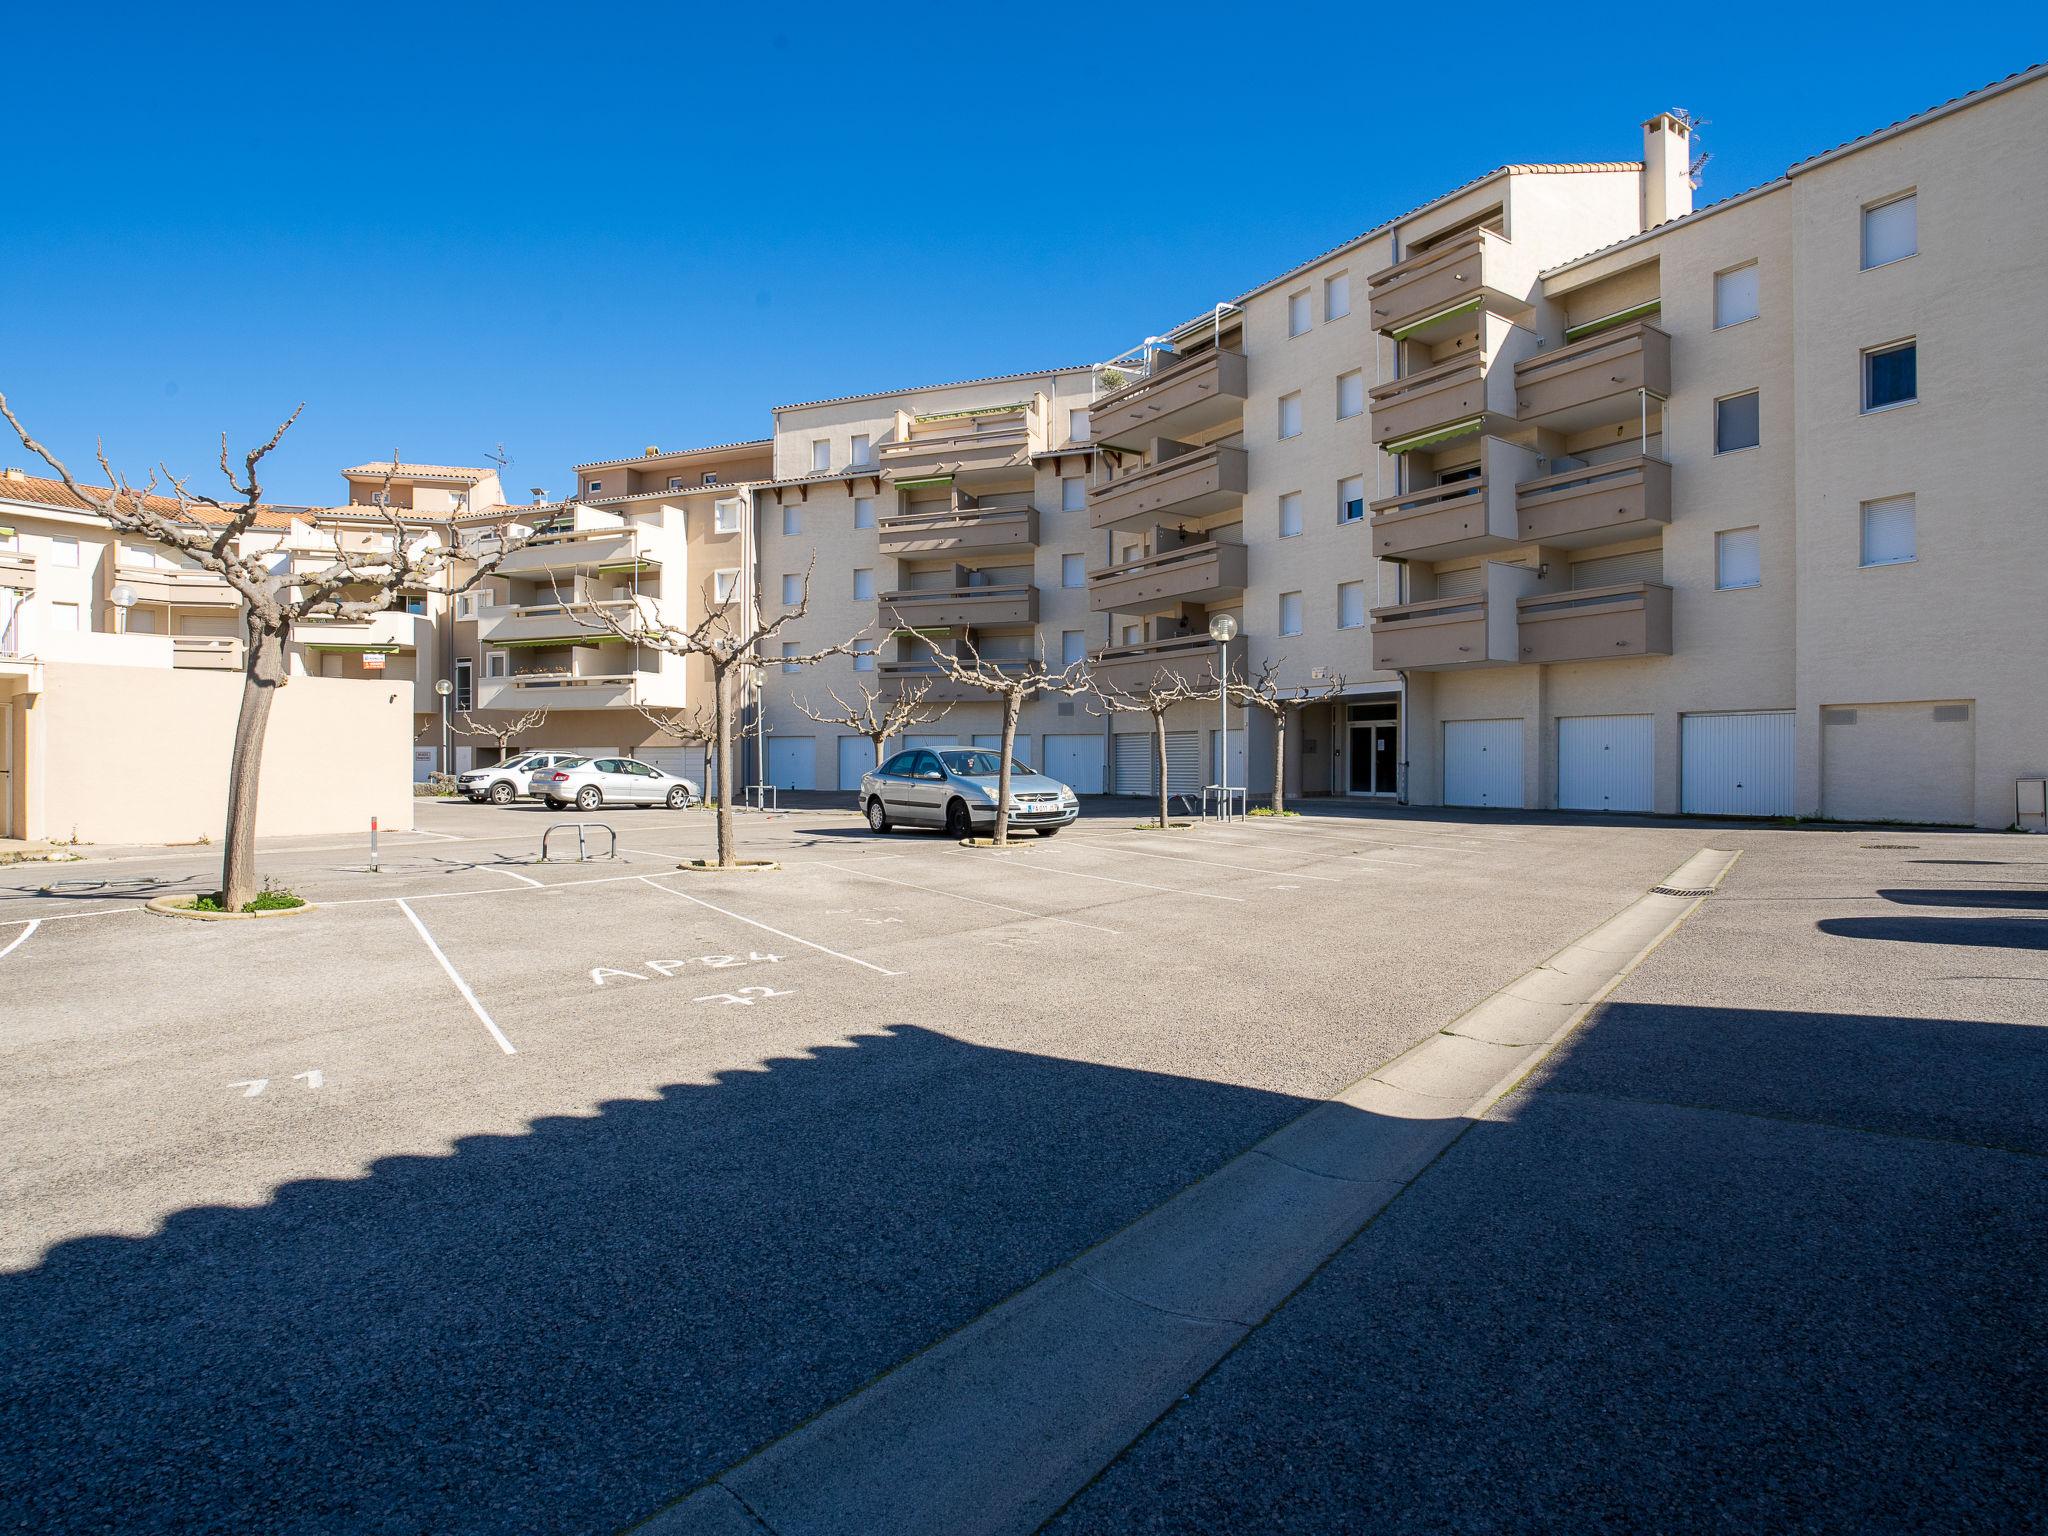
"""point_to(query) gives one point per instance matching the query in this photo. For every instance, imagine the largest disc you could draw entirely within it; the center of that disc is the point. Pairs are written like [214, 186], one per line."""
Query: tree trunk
[1279, 761]
[721, 725]
[263, 673]
[880, 739]
[1013, 703]
[1159, 741]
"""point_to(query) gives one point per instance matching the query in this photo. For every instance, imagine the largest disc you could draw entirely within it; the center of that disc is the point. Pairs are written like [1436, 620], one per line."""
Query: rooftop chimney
[13, 474]
[1667, 169]
[650, 451]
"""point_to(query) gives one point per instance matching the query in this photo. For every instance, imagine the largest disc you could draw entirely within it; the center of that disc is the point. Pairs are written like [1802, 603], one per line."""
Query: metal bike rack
[764, 797]
[1225, 799]
[582, 848]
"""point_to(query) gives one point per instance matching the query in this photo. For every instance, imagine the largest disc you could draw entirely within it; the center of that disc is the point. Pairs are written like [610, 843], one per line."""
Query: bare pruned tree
[209, 531]
[1264, 692]
[503, 732]
[1011, 684]
[684, 727]
[877, 717]
[1161, 693]
[730, 643]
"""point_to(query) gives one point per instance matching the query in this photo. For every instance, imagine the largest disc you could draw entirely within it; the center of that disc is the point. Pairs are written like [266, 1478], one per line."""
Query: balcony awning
[357, 648]
[912, 485]
[1620, 317]
[1470, 306]
[1434, 437]
[586, 637]
[641, 564]
[979, 410]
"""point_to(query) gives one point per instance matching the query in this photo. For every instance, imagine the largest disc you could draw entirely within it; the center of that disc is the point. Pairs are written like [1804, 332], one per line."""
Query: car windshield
[979, 765]
[521, 762]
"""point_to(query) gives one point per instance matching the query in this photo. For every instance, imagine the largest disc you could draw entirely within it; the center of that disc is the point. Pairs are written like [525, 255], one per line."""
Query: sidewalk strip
[455, 976]
[754, 922]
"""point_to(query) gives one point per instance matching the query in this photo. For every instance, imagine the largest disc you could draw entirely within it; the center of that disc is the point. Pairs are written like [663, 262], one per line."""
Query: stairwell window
[1337, 296]
[1891, 375]
[725, 515]
[1891, 230]
[1736, 296]
[1290, 613]
[863, 511]
[1738, 559]
[1297, 313]
[465, 685]
[1889, 537]
[1290, 415]
[1350, 395]
[591, 488]
[1738, 422]
[792, 519]
[862, 445]
[863, 585]
[1073, 493]
[1073, 571]
[863, 655]
[1073, 647]
[1351, 605]
[1351, 500]
[1290, 515]
[821, 454]
[723, 585]
[792, 590]
[788, 650]
[1078, 427]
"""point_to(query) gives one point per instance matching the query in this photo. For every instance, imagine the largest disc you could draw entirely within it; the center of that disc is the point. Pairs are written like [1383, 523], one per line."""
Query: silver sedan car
[588, 784]
[955, 788]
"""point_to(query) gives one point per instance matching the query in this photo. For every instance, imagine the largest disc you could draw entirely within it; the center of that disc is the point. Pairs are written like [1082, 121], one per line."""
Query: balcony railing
[937, 686]
[207, 653]
[1194, 573]
[1601, 503]
[1438, 632]
[17, 570]
[966, 448]
[1179, 399]
[949, 607]
[1595, 381]
[175, 585]
[1437, 291]
[1596, 623]
[1191, 484]
[1189, 658]
[565, 690]
[1440, 521]
[1441, 396]
[603, 549]
[567, 623]
[958, 531]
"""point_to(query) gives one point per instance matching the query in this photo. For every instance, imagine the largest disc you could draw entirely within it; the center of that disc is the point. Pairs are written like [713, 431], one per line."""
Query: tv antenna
[501, 458]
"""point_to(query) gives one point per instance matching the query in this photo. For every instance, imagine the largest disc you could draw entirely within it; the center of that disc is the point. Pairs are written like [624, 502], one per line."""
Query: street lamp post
[443, 687]
[1222, 629]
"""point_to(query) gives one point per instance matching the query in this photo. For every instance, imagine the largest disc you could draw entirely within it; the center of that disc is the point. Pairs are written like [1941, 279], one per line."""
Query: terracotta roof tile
[54, 493]
[418, 471]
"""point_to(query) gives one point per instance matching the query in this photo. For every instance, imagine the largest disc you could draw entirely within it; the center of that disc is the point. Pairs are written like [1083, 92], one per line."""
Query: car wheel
[1045, 831]
[501, 793]
[588, 798]
[959, 824]
[878, 819]
[678, 798]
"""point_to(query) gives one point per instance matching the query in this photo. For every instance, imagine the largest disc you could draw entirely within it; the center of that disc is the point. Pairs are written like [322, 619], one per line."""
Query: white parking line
[1075, 874]
[20, 938]
[1251, 869]
[455, 976]
[1046, 917]
[779, 933]
[499, 869]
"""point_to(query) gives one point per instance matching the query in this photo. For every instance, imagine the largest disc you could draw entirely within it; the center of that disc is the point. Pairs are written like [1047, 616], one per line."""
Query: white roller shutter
[1131, 762]
[1466, 583]
[1736, 765]
[1613, 570]
[1483, 762]
[1184, 762]
[1606, 763]
[684, 762]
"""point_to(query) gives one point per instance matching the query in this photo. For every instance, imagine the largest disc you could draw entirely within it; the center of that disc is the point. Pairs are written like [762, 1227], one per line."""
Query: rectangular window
[1073, 571]
[64, 616]
[792, 590]
[863, 511]
[1351, 500]
[1737, 423]
[1351, 605]
[1735, 296]
[1290, 415]
[1350, 395]
[1073, 494]
[1891, 375]
[863, 655]
[1337, 296]
[1079, 427]
[863, 585]
[1888, 536]
[1891, 231]
[1290, 514]
[64, 550]
[860, 448]
[1073, 647]
[723, 585]
[1290, 613]
[789, 649]
[821, 454]
[1737, 560]
[465, 683]
[792, 519]
[1134, 634]
[675, 482]
[1297, 313]
[589, 490]
[725, 515]
[465, 605]
[495, 663]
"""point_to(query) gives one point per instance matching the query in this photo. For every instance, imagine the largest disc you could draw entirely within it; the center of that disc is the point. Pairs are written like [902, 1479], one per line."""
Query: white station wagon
[588, 783]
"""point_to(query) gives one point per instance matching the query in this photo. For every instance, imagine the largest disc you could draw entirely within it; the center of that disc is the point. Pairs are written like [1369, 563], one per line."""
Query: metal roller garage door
[793, 762]
[1483, 763]
[1075, 761]
[1131, 762]
[1899, 762]
[1736, 765]
[1606, 763]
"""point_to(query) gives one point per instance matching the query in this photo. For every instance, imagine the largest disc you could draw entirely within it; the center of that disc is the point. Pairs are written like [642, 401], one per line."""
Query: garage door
[1606, 763]
[685, 762]
[1736, 765]
[1483, 762]
[1899, 762]
[856, 757]
[1130, 761]
[793, 762]
[1075, 761]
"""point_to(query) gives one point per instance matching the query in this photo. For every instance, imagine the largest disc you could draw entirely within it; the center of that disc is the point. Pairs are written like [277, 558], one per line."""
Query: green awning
[633, 565]
[1432, 438]
[1619, 317]
[979, 410]
[589, 638]
[911, 485]
[364, 649]
[1470, 306]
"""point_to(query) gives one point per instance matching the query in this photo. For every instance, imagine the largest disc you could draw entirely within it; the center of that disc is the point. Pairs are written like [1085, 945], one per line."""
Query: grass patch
[270, 899]
[1267, 810]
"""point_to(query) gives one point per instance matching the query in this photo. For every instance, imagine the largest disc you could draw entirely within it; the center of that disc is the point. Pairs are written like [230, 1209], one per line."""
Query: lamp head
[1223, 629]
[443, 687]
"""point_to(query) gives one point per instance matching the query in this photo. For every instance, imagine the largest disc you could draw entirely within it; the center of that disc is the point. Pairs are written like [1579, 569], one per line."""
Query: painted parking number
[665, 969]
[252, 1086]
[746, 997]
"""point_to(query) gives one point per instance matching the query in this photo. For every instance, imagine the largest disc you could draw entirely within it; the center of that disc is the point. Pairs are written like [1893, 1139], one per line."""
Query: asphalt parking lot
[501, 1195]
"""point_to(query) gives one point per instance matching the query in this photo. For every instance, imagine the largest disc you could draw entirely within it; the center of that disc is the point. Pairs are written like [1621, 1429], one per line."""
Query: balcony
[957, 607]
[386, 632]
[938, 687]
[207, 653]
[1193, 483]
[1433, 295]
[1180, 399]
[1599, 504]
[971, 447]
[1596, 623]
[1132, 668]
[179, 586]
[1194, 573]
[583, 549]
[1437, 633]
[1443, 396]
[1592, 382]
[1463, 517]
[959, 530]
[558, 623]
[556, 690]
[17, 571]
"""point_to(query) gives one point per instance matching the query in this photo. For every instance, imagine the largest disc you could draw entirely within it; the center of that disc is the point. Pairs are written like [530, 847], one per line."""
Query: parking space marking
[499, 869]
[1250, 869]
[649, 880]
[1044, 917]
[21, 938]
[1075, 874]
[455, 976]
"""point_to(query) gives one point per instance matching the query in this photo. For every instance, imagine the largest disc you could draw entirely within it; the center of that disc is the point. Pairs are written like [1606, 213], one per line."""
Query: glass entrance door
[1373, 765]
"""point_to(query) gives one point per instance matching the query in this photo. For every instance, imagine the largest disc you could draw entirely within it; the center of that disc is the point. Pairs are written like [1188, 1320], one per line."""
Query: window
[1134, 634]
[1350, 394]
[1891, 375]
[1737, 423]
[1290, 613]
[495, 663]
[1735, 296]
[1351, 500]
[1888, 537]
[465, 605]
[1351, 605]
[863, 585]
[789, 650]
[465, 682]
[1297, 313]
[64, 616]
[1079, 428]
[1290, 514]
[591, 488]
[1891, 231]
[63, 550]
[863, 511]
[675, 482]
[1337, 296]
[383, 498]
[792, 519]
[1073, 571]
[460, 501]
[1290, 415]
[725, 515]
[860, 448]
[709, 477]
[821, 454]
[792, 590]
[863, 655]
[723, 585]
[1073, 493]
[1073, 647]
[1737, 562]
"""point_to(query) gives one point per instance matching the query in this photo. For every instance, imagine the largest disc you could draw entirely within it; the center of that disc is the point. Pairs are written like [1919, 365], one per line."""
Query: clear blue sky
[579, 230]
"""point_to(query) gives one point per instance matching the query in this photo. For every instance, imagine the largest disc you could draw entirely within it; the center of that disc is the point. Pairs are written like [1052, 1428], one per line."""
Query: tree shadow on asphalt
[1973, 932]
[567, 1328]
[119, 888]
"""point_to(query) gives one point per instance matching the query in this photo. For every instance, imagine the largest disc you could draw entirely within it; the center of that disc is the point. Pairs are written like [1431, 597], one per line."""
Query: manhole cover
[1681, 890]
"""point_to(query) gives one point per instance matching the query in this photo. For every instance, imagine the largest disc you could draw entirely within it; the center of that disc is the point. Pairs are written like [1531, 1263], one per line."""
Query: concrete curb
[741, 867]
[997, 1426]
[172, 906]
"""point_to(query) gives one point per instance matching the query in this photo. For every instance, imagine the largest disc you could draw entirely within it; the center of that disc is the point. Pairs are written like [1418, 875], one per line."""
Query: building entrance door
[1373, 758]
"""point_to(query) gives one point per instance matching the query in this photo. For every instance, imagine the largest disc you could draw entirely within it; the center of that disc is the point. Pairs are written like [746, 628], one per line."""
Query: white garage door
[423, 763]
[793, 762]
[1736, 765]
[856, 757]
[1606, 763]
[1075, 761]
[685, 762]
[1130, 759]
[1483, 762]
[1898, 762]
